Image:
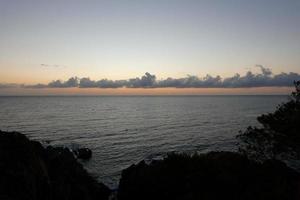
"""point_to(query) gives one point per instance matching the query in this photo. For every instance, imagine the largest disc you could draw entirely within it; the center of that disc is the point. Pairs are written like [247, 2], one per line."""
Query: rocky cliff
[28, 171]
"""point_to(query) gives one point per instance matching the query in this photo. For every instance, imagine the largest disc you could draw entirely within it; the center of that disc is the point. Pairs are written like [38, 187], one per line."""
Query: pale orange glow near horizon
[106, 41]
[149, 91]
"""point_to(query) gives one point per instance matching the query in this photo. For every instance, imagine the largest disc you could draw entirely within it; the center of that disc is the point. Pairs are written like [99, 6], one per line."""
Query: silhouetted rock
[28, 171]
[83, 153]
[216, 175]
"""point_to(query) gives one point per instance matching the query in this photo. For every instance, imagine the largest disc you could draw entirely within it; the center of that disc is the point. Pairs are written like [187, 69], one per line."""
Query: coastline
[54, 173]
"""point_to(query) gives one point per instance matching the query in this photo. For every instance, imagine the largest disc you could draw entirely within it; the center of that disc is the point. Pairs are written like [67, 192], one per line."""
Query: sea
[123, 130]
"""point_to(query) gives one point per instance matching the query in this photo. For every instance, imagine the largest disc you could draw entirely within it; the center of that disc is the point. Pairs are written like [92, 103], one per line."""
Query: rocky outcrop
[28, 171]
[212, 176]
[83, 153]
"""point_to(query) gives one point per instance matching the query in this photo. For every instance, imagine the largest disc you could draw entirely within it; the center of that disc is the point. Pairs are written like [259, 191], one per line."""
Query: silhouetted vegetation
[216, 175]
[28, 171]
[279, 136]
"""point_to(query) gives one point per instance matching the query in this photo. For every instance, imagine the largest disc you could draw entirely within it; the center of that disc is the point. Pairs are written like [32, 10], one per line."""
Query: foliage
[279, 136]
[211, 176]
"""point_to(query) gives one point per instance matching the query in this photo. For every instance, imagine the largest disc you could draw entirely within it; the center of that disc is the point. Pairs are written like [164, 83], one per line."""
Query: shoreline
[52, 164]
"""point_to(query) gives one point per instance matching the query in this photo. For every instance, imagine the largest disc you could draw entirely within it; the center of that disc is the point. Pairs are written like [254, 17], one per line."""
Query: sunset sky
[41, 41]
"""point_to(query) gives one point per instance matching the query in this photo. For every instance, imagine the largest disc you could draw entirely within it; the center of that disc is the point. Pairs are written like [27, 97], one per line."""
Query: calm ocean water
[124, 130]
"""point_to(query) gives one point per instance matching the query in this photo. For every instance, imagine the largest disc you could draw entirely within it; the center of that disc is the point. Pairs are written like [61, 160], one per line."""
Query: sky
[42, 41]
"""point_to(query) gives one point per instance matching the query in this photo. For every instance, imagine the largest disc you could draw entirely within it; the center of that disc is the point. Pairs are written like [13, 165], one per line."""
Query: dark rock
[28, 171]
[216, 175]
[83, 153]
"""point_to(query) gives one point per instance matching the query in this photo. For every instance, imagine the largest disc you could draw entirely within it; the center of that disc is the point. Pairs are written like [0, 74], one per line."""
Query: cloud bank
[263, 79]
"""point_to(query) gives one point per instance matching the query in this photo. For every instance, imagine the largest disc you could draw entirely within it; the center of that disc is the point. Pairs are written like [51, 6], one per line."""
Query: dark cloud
[263, 79]
[265, 71]
[72, 82]
[87, 83]
[192, 82]
[146, 81]
[104, 83]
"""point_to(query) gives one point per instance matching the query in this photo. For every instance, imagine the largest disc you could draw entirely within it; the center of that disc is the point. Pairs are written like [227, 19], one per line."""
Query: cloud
[36, 86]
[146, 81]
[72, 82]
[47, 65]
[87, 83]
[265, 71]
[265, 78]
[192, 82]
[8, 85]
[103, 83]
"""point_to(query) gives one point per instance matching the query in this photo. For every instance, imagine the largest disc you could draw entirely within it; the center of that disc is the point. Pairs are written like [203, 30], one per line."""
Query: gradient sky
[125, 39]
